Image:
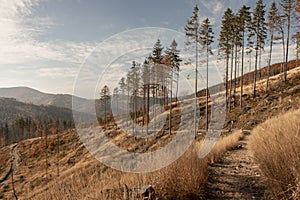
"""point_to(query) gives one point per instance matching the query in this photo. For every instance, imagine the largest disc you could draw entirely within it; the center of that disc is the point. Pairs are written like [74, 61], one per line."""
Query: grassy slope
[80, 172]
[276, 147]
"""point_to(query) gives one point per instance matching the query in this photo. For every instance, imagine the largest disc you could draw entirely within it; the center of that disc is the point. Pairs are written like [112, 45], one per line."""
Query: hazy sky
[43, 43]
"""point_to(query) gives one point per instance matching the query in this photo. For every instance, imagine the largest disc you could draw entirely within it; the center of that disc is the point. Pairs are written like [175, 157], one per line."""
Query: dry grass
[183, 179]
[276, 147]
[187, 177]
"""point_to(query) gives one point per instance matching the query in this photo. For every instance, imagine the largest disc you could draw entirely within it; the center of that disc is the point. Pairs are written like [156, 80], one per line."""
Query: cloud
[9, 82]
[58, 72]
[214, 6]
[18, 33]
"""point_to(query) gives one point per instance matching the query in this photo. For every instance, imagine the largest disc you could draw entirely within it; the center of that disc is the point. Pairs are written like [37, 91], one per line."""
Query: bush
[276, 147]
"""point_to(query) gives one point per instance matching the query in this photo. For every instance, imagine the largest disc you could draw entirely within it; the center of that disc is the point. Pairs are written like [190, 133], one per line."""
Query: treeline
[27, 127]
[155, 81]
[242, 39]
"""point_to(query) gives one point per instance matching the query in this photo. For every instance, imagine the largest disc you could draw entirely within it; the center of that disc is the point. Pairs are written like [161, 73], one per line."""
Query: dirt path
[14, 164]
[236, 176]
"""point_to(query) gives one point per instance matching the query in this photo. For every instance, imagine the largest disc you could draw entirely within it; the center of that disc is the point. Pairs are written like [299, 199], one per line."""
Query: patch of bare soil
[236, 176]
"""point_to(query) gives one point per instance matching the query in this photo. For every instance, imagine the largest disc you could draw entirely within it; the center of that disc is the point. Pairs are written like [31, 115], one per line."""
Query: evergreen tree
[116, 99]
[206, 39]
[158, 76]
[192, 42]
[146, 92]
[157, 52]
[259, 30]
[288, 7]
[104, 97]
[172, 54]
[236, 44]
[244, 25]
[273, 23]
[133, 81]
[225, 45]
[174, 62]
[158, 71]
[122, 85]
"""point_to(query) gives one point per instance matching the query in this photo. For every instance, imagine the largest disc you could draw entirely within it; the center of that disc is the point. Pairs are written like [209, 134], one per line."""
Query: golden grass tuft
[276, 147]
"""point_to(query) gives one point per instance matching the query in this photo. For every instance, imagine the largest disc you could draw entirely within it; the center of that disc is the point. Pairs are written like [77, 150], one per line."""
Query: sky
[45, 44]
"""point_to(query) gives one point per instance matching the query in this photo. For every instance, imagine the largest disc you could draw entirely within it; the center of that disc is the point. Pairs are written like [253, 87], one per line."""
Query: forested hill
[11, 109]
[29, 95]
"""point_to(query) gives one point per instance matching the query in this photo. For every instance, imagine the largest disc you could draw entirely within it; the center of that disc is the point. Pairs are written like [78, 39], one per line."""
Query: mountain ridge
[36, 97]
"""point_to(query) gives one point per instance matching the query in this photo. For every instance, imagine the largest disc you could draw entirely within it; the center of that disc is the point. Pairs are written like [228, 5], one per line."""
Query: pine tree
[225, 45]
[172, 55]
[104, 97]
[133, 81]
[273, 23]
[122, 85]
[259, 30]
[116, 99]
[192, 42]
[236, 32]
[146, 92]
[157, 52]
[206, 39]
[288, 7]
[157, 73]
[244, 25]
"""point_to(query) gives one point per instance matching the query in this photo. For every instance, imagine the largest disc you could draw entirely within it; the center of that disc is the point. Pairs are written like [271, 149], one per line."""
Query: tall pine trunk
[170, 107]
[196, 88]
[235, 74]
[269, 61]
[206, 114]
[231, 74]
[148, 108]
[283, 52]
[144, 104]
[177, 82]
[226, 80]
[255, 71]
[242, 71]
[287, 49]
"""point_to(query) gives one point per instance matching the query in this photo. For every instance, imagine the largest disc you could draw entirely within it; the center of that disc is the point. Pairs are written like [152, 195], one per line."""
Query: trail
[14, 164]
[236, 176]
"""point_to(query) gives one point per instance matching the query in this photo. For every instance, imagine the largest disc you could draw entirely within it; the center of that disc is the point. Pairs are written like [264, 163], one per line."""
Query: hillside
[79, 172]
[32, 96]
[19, 121]
[11, 109]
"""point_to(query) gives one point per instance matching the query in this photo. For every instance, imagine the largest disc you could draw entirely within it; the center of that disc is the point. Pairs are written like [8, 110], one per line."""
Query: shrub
[276, 147]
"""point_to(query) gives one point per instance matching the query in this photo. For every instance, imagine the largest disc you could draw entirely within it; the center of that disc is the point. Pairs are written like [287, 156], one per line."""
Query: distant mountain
[11, 109]
[29, 95]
